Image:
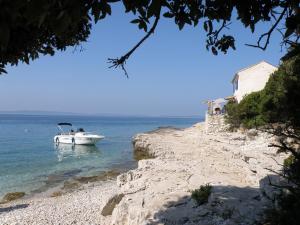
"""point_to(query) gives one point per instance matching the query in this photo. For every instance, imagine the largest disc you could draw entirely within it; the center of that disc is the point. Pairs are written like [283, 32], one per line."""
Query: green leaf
[4, 35]
[196, 22]
[108, 9]
[205, 26]
[154, 8]
[168, 15]
[143, 26]
[26, 59]
[2, 70]
[187, 20]
[180, 25]
[42, 19]
[252, 27]
[142, 12]
[126, 3]
[288, 33]
[60, 15]
[135, 21]
[214, 50]
[96, 12]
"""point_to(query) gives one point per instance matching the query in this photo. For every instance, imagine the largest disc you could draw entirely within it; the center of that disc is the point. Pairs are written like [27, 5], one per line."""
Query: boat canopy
[64, 124]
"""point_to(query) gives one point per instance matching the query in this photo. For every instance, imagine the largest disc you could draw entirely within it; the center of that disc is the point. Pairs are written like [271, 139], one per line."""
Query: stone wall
[215, 123]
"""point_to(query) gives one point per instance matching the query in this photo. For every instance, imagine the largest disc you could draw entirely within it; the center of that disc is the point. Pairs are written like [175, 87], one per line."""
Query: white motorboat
[79, 137]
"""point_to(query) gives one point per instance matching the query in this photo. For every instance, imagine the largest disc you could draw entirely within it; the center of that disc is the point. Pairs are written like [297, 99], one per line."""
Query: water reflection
[64, 151]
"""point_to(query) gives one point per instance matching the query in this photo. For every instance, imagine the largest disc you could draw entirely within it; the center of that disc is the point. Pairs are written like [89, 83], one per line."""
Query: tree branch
[288, 187]
[269, 33]
[224, 25]
[279, 164]
[285, 148]
[120, 62]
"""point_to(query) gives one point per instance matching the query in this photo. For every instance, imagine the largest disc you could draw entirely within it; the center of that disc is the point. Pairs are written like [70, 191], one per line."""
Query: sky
[171, 74]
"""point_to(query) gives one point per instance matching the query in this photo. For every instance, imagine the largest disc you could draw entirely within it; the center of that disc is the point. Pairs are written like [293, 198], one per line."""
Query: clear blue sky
[171, 74]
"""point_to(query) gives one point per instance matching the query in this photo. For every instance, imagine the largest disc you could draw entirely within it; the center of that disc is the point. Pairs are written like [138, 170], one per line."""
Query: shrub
[232, 114]
[202, 194]
[288, 162]
[247, 113]
[281, 100]
[250, 110]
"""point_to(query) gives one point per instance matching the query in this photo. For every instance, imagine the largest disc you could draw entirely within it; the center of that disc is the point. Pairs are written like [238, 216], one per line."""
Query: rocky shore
[176, 161]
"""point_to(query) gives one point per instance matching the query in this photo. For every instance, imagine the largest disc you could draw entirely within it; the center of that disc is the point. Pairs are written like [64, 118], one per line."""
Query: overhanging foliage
[32, 28]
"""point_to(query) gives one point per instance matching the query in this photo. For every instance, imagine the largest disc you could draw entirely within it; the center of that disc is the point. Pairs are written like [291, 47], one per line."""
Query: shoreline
[58, 183]
[158, 190]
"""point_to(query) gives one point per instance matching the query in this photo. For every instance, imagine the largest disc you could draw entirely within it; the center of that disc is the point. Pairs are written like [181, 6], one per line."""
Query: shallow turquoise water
[28, 156]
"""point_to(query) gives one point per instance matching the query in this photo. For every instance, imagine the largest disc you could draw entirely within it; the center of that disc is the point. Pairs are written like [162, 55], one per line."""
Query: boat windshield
[60, 128]
[64, 124]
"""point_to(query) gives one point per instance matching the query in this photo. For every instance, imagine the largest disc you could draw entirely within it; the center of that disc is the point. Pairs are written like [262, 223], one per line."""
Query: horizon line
[49, 113]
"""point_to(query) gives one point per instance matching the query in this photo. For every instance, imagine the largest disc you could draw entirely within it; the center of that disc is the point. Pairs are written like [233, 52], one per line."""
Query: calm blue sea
[28, 156]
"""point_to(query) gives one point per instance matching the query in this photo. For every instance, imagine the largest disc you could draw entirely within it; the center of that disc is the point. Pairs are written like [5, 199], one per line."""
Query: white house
[251, 79]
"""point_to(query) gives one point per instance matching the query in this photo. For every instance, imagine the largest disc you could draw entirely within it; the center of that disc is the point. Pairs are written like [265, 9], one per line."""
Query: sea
[28, 156]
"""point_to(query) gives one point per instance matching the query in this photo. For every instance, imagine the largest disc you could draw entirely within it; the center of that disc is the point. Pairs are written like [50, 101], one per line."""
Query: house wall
[253, 79]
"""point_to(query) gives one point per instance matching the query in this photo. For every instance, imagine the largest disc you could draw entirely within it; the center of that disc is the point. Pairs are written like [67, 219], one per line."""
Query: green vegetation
[202, 194]
[278, 102]
[70, 185]
[247, 113]
[56, 194]
[12, 196]
[103, 176]
[288, 162]
[281, 105]
[232, 114]
[277, 109]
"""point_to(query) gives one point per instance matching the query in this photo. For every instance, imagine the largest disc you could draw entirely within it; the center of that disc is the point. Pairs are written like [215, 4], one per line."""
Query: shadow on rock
[226, 205]
[15, 207]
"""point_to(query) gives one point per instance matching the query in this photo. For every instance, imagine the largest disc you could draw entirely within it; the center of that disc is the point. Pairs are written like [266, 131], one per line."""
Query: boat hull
[77, 140]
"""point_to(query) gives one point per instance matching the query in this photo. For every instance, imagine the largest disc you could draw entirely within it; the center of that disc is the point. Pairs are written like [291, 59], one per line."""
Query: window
[236, 84]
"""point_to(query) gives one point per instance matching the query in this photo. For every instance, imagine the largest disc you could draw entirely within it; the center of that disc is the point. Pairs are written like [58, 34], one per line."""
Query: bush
[250, 110]
[232, 114]
[247, 113]
[281, 100]
[288, 162]
[202, 194]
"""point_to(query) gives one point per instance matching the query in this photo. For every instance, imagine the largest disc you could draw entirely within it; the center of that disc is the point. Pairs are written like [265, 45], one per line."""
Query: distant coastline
[56, 113]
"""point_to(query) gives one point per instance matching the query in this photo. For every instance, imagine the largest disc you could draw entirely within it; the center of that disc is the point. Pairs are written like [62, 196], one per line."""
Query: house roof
[249, 67]
[218, 100]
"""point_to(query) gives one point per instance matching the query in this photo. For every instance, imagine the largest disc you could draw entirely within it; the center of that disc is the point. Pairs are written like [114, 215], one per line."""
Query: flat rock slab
[111, 204]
